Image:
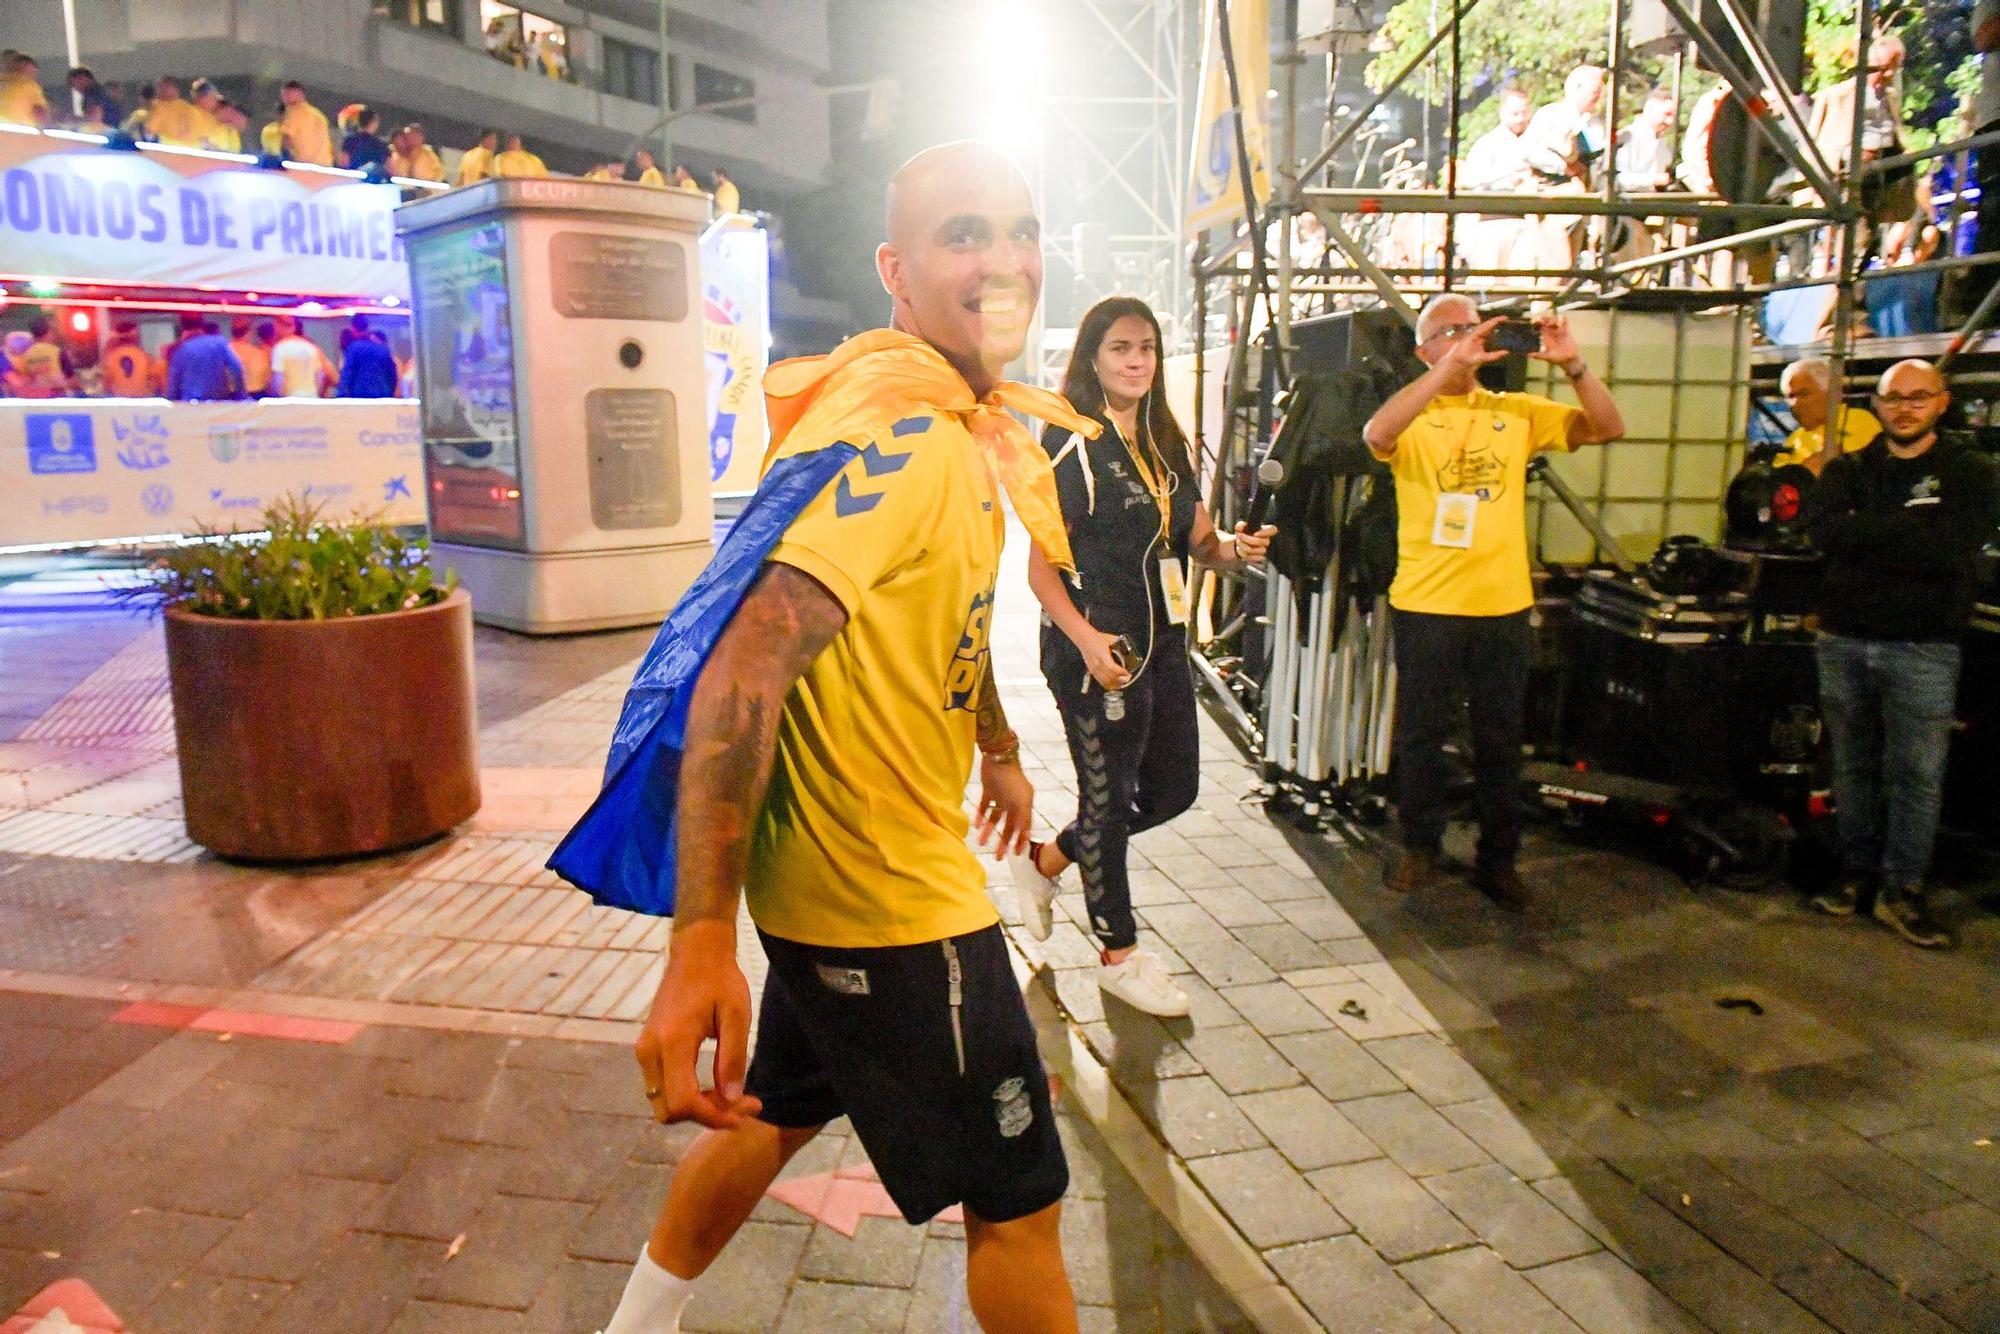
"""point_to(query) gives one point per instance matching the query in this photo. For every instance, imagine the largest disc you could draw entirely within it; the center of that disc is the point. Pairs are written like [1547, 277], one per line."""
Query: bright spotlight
[1012, 55]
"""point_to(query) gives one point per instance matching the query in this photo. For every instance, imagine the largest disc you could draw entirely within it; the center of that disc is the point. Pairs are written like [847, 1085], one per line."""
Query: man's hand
[1006, 805]
[1558, 343]
[1250, 547]
[1468, 350]
[702, 996]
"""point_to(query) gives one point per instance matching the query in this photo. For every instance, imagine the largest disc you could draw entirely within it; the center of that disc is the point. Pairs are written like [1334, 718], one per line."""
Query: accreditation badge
[1173, 587]
[1457, 512]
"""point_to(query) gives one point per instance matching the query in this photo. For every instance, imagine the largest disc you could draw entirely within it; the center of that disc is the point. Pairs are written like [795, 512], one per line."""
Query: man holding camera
[1900, 523]
[1461, 598]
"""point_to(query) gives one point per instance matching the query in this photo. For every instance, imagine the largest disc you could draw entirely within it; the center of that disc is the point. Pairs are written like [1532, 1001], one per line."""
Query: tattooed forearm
[994, 734]
[732, 733]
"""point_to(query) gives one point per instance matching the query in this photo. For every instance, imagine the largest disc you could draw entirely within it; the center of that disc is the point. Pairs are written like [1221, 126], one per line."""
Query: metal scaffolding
[1353, 274]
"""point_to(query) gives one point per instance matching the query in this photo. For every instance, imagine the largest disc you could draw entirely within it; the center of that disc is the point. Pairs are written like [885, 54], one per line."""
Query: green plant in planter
[301, 567]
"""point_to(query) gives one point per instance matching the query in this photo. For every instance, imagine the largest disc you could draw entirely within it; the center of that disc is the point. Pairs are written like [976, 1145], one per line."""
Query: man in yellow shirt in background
[517, 161]
[1460, 602]
[253, 353]
[308, 138]
[215, 132]
[173, 120]
[649, 170]
[22, 101]
[829, 735]
[728, 199]
[410, 156]
[476, 162]
[1805, 383]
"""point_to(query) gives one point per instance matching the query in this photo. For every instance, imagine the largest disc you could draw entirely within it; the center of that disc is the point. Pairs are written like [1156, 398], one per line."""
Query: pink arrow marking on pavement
[67, 1307]
[838, 1199]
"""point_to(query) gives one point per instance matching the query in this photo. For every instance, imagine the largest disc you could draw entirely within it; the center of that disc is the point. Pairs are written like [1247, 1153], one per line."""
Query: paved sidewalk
[1382, 1115]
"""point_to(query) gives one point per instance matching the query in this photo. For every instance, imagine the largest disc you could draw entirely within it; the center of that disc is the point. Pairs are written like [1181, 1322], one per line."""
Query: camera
[1515, 336]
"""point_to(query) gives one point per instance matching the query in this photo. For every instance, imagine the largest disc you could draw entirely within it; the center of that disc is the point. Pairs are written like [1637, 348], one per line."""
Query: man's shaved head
[1909, 398]
[963, 262]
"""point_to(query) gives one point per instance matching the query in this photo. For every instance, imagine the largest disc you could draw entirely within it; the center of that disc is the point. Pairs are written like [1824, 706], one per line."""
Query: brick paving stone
[1266, 1198]
[626, 1215]
[937, 1297]
[1195, 1117]
[579, 1295]
[814, 1308]
[360, 1282]
[1110, 1248]
[422, 1317]
[1476, 1291]
[1390, 1209]
[1968, 1228]
[443, 1191]
[1912, 1261]
[1283, 946]
[1488, 1123]
[1276, 884]
[1853, 1298]
[1138, 1048]
[1432, 1068]
[1410, 1131]
[1192, 871]
[282, 1238]
[202, 1304]
[1362, 1012]
[1239, 1060]
[1522, 1227]
[593, 1149]
[1336, 1065]
[1276, 1008]
[1207, 1007]
[1952, 1158]
[1346, 1286]
[1626, 1220]
[1604, 1296]
[744, 1290]
[1306, 1128]
[510, 1250]
[1234, 906]
[1737, 1221]
[882, 1250]
[1974, 1307]
[1320, 918]
[1727, 1297]
[132, 1262]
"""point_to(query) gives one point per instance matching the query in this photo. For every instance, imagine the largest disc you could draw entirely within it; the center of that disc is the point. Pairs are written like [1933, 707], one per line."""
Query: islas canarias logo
[969, 662]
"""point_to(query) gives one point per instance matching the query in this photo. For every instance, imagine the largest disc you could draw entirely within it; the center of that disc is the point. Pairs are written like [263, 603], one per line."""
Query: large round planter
[303, 740]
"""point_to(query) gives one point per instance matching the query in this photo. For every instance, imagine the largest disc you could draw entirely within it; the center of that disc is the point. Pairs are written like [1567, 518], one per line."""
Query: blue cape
[622, 851]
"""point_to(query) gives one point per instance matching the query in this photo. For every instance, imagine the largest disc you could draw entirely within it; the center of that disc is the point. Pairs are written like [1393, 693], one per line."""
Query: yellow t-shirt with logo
[1474, 444]
[177, 123]
[1858, 426]
[861, 841]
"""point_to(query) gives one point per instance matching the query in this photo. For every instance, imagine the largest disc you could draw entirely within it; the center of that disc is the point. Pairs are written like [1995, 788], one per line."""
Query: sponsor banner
[89, 470]
[1215, 189]
[736, 338]
[87, 214]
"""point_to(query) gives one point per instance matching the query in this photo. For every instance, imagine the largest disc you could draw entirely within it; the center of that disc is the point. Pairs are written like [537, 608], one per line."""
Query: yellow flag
[1215, 191]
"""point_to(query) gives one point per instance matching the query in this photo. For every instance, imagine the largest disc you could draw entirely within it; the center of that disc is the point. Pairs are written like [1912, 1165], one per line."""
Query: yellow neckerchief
[877, 378]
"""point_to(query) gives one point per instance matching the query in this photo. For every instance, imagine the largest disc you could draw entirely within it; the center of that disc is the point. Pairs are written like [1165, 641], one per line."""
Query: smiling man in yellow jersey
[828, 743]
[1460, 601]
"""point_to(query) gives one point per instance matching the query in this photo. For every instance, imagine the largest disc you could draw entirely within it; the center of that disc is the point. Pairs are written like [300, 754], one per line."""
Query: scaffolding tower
[1260, 288]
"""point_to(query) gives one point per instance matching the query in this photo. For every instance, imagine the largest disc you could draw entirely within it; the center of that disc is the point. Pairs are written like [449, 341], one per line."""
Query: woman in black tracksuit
[1114, 645]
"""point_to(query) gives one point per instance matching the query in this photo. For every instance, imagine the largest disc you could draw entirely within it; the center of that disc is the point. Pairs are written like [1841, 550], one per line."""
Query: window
[525, 41]
[631, 71]
[436, 15]
[712, 85]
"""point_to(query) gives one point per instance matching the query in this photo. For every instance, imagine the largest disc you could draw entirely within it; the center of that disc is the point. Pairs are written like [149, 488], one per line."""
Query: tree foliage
[1534, 47]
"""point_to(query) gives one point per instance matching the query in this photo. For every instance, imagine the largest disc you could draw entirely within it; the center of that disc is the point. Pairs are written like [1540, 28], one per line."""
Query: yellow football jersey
[861, 841]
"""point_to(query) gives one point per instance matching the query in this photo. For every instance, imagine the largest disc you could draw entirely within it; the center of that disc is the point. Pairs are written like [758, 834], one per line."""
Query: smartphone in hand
[1515, 336]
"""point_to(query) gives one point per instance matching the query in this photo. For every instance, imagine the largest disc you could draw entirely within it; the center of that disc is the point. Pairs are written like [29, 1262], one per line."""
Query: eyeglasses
[1451, 331]
[1921, 398]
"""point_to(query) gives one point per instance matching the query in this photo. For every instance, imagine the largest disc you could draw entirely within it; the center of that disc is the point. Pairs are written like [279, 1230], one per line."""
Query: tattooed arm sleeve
[732, 733]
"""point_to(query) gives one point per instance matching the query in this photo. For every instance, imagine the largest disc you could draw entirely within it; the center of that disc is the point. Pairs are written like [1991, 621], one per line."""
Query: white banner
[736, 338]
[81, 470]
[85, 214]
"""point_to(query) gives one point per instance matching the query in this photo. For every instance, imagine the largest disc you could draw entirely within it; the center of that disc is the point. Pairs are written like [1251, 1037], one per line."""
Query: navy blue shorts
[943, 1083]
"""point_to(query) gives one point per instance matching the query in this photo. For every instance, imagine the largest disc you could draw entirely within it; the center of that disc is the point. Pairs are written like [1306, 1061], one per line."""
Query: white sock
[653, 1300]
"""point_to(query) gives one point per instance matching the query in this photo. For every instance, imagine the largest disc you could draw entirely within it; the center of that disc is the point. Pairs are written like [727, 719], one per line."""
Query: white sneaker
[1035, 894]
[1142, 982]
